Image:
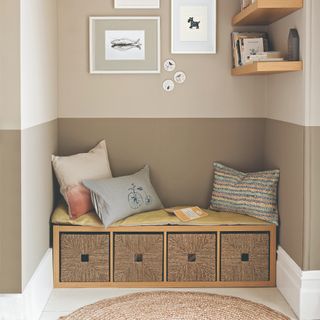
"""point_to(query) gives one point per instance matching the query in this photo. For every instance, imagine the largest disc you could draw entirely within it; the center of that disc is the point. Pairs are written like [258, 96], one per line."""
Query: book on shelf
[241, 46]
[250, 47]
[265, 57]
[264, 60]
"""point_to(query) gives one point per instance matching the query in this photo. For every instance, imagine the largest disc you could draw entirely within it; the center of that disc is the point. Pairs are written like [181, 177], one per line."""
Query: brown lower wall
[26, 198]
[313, 256]
[180, 152]
[10, 217]
[284, 149]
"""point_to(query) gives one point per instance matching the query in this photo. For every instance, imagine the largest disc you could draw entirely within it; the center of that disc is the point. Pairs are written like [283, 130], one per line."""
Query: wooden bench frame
[165, 229]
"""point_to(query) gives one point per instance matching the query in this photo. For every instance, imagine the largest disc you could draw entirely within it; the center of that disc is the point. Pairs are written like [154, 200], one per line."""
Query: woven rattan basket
[244, 256]
[138, 257]
[191, 257]
[84, 257]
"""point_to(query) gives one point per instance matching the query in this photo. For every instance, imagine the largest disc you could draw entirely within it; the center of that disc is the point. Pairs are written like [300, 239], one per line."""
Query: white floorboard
[64, 301]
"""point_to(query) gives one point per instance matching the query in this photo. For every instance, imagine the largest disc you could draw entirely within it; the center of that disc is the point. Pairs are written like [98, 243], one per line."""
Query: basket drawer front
[138, 257]
[245, 256]
[191, 257]
[84, 257]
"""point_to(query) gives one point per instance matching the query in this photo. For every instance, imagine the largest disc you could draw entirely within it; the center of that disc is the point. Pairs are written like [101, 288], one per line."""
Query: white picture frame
[137, 4]
[147, 31]
[193, 26]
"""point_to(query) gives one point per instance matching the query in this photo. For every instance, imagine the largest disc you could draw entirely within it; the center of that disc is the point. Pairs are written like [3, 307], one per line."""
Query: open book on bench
[188, 214]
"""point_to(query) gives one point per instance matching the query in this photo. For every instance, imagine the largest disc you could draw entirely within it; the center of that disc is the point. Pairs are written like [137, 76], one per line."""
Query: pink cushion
[72, 170]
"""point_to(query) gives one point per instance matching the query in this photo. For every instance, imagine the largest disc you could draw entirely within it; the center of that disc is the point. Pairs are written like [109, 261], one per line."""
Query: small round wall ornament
[180, 77]
[169, 65]
[168, 85]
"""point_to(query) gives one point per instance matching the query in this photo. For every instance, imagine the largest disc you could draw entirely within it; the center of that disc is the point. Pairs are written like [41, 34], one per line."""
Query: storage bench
[239, 255]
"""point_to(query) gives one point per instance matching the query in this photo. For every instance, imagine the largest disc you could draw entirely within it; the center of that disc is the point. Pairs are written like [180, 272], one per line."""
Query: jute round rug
[175, 305]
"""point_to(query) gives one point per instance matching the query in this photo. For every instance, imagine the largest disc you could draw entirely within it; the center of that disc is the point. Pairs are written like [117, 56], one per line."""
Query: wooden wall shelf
[264, 12]
[261, 68]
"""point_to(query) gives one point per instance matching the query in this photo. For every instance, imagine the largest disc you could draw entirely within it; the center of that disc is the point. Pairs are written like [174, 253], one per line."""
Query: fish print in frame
[122, 44]
[125, 44]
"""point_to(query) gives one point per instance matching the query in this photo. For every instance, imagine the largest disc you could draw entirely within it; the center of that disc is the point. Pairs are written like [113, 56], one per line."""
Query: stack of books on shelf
[250, 47]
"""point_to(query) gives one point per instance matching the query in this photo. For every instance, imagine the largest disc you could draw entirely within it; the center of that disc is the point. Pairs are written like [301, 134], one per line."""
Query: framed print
[124, 45]
[193, 26]
[137, 4]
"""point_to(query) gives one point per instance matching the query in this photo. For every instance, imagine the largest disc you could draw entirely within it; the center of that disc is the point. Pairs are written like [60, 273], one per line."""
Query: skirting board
[30, 304]
[300, 288]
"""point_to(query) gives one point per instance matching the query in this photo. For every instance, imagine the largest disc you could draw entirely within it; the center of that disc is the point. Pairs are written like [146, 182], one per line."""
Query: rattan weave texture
[138, 257]
[244, 257]
[174, 306]
[84, 257]
[191, 257]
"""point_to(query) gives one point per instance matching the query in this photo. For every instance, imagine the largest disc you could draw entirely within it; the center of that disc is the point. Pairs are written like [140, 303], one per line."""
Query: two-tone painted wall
[250, 123]
[271, 109]
[293, 136]
[28, 136]
[9, 146]
[212, 116]
[285, 135]
[312, 239]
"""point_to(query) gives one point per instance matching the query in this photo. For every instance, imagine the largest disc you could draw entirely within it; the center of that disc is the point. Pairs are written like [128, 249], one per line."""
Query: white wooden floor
[64, 301]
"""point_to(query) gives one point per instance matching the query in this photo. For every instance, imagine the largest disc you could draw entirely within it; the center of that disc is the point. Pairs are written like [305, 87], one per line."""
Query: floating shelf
[264, 12]
[257, 68]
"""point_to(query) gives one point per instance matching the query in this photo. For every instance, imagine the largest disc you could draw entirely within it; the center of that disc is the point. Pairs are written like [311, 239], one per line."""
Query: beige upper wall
[39, 62]
[217, 93]
[29, 63]
[295, 97]
[286, 93]
[9, 64]
[314, 115]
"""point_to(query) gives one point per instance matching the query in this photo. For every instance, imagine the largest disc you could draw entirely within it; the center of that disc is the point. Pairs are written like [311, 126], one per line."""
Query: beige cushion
[72, 170]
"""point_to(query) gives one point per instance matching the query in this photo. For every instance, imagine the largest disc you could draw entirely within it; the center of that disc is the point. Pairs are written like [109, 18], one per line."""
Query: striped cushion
[254, 194]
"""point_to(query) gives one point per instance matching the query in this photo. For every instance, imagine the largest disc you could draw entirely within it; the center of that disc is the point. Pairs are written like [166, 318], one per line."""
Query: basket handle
[192, 257]
[84, 258]
[138, 257]
[245, 257]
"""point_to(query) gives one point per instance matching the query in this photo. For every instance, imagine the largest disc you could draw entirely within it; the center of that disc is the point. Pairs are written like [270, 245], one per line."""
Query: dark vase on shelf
[293, 45]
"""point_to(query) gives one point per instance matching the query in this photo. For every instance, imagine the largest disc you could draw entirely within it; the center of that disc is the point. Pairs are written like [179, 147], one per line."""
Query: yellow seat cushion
[61, 216]
[155, 218]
